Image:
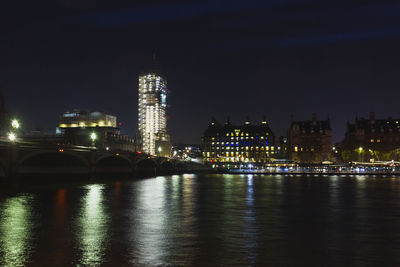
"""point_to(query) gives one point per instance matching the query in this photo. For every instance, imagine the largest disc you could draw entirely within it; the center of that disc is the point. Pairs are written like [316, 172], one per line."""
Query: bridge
[33, 158]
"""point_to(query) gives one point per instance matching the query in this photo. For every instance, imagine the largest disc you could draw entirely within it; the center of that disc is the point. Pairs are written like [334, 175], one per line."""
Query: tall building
[310, 141]
[152, 121]
[232, 144]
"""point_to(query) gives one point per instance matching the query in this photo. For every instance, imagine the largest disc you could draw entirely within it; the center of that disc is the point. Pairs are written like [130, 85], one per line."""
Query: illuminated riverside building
[78, 126]
[237, 144]
[79, 118]
[372, 140]
[310, 141]
[152, 119]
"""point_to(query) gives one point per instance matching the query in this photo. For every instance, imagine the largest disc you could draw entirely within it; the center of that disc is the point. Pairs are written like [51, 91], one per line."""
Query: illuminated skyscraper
[152, 121]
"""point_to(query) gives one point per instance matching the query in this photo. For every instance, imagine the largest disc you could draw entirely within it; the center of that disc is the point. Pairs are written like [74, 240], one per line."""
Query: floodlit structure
[94, 129]
[80, 118]
[152, 121]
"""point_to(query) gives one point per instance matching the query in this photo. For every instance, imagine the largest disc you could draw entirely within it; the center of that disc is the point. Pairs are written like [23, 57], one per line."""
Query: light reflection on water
[206, 220]
[92, 226]
[249, 227]
[150, 227]
[16, 224]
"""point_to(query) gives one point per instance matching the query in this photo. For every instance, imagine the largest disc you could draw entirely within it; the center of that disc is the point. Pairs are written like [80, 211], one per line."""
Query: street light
[159, 150]
[93, 136]
[360, 150]
[12, 137]
[15, 124]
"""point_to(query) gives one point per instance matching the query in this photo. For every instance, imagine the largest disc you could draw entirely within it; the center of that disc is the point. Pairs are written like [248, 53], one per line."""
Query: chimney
[213, 121]
[291, 119]
[228, 121]
[264, 120]
[372, 117]
[314, 118]
[247, 121]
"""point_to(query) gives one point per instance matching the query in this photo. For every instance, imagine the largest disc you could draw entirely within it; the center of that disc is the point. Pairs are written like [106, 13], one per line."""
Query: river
[204, 220]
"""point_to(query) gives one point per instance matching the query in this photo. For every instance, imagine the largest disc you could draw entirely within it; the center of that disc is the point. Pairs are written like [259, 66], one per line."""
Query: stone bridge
[30, 159]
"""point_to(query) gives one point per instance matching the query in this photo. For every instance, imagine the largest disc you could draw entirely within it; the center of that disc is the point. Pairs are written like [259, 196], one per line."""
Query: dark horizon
[220, 58]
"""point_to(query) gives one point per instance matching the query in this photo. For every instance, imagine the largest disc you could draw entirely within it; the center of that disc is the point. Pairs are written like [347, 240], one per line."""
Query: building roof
[369, 126]
[216, 128]
[311, 126]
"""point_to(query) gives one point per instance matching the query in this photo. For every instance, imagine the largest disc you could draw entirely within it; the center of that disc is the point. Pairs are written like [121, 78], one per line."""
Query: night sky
[220, 58]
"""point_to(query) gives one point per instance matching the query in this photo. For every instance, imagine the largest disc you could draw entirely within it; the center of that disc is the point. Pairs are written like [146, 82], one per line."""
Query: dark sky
[220, 58]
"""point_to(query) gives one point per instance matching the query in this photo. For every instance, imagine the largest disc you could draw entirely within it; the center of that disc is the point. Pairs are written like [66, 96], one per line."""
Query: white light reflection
[150, 233]
[16, 231]
[93, 225]
[250, 229]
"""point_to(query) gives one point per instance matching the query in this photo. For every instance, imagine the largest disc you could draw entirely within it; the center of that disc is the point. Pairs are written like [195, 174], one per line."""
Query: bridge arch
[114, 157]
[53, 162]
[113, 163]
[146, 163]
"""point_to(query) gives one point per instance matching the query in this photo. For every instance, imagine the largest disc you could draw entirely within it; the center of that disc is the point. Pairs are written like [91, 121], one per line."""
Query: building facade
[372, 139]
[80, 118]
[152, 115]
[238, 144]
[93, 129]
[310, 141]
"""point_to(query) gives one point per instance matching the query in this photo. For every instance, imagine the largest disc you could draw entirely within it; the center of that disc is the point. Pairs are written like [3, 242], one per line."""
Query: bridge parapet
[26, 158]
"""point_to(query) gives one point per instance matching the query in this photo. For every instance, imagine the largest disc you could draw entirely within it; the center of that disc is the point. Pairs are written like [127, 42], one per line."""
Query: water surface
[204, 220]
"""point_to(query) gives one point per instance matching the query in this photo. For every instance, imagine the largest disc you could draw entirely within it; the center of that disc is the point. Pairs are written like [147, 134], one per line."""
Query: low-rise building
[236, 144]
[372, 139]
[310, 141]
[96, 129]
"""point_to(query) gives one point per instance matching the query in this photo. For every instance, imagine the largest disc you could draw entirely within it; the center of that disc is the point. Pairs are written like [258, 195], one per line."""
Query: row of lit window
[390, 139]
[297, 149]
[237, 138]
[242, 148]
[235, 153]
[84, 124]
[373, 140]
[237, 143]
